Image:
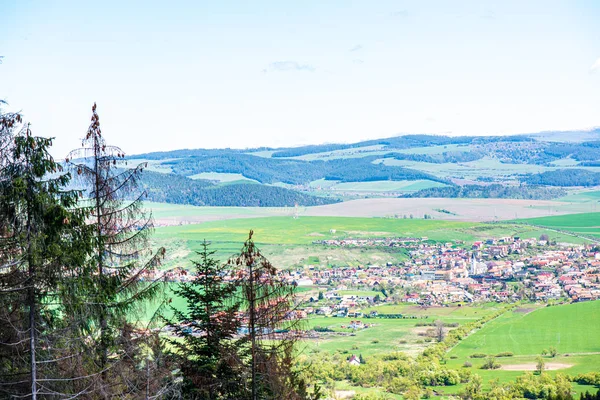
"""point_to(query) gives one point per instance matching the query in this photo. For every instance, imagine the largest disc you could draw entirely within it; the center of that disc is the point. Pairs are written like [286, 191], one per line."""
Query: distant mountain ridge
[308, 175]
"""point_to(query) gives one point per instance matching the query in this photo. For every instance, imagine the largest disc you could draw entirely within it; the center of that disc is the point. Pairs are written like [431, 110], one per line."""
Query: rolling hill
[534, 166]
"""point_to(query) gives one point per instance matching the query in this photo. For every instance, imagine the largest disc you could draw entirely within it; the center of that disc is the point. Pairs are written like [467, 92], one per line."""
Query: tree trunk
[31, 300]
[252, 323]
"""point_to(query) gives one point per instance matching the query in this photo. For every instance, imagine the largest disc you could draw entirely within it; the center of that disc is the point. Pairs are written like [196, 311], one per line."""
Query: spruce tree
[42, 234]
[121, 276]
[271, 325]
[204, 346]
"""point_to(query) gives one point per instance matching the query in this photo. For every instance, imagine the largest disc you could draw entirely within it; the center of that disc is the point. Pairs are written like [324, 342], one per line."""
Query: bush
[467, 364]
[590, 378]
[375, 341]
[490, 363]
[505, 354]
[478, 355]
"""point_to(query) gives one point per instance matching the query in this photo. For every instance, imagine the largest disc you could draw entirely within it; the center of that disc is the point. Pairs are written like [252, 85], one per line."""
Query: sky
[189, 74]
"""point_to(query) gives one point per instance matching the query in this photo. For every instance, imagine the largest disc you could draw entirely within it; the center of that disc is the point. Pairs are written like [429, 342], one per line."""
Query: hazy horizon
[268, 74]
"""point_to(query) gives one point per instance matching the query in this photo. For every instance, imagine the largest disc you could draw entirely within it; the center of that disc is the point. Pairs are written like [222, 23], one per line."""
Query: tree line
[565, 177]
[493, 191]
[77, 275]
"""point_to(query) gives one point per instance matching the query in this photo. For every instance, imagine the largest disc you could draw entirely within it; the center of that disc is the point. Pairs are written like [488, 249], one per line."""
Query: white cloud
[596, 66]
[281, 66]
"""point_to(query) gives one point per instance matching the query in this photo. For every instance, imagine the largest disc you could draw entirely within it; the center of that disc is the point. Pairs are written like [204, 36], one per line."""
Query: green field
[584, 223]
[305, 230]
[582, 196]
[573, 329]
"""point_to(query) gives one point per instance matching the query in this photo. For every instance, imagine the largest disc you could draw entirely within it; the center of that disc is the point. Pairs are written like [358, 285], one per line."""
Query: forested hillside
[269, 170]
[170, 188]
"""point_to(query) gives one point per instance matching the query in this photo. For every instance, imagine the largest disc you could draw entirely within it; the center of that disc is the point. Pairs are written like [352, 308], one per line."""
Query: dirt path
[532, 367]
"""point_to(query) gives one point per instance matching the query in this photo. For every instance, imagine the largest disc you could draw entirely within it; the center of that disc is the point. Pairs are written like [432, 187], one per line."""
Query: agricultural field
[584, 224]
[460, 209]
[178, 214]
[582, 196]
[573, 329]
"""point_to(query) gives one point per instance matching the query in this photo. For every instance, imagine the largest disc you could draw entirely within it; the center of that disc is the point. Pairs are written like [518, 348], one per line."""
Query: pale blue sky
[188, 74]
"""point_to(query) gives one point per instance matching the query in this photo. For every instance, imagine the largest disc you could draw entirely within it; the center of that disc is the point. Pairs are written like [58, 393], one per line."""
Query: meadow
[573, 329]
[584, 223]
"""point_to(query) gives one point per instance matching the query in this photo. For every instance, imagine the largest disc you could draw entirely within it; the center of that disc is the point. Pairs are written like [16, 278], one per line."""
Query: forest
[269, 170]
[77, 273]
[565, 177]
[177, 189]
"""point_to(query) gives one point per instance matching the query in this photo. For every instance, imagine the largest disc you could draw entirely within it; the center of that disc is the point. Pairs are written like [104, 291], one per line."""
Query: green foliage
[478, 355]
[490, 363]
[566, 177]
[43, 237]
[273, 170]
[590, 378]
[204, 347]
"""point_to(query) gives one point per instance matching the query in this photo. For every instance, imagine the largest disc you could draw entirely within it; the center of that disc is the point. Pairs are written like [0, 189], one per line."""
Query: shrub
[490, 363]
[590, 378]
[467, 364]
[478, 355]
[505, 354]
[375, 341]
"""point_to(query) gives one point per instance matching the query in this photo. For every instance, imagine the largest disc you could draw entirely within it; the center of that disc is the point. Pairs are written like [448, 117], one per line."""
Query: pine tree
[207, 353]
[120, 277]
[271, 325]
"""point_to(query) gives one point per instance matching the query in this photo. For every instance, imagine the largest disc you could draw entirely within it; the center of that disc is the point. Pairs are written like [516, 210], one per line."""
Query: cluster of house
[487, 270]
[368, 242]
